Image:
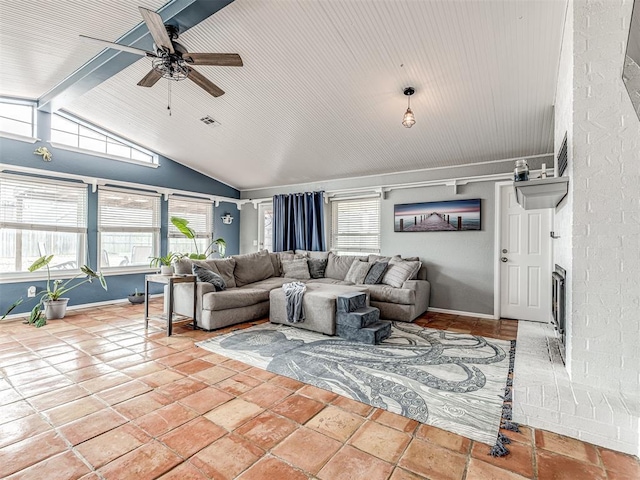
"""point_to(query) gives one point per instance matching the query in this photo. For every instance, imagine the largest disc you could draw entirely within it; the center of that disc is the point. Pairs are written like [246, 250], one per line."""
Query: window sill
[103, 155]
[20, 138]
[109, 272]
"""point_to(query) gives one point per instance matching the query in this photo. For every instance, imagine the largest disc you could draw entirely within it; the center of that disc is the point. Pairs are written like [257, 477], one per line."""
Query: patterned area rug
[450, 380]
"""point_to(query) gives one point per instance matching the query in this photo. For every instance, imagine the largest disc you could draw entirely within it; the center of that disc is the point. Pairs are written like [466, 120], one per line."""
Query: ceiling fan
[171, 60]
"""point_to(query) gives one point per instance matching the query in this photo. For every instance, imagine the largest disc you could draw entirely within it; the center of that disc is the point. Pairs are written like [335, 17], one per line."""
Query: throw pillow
[252, 267]
[206, 275]
[399, 272]
[413, 259]
[376, 272]
[338, 265]
[357, 272]
[317, 267]
[297, 268]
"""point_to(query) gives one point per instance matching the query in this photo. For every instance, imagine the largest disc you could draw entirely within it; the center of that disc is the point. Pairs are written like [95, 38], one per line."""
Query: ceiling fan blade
[204, 83]
[150, 79]
[220, 59]
[156, 29]
[117, 46]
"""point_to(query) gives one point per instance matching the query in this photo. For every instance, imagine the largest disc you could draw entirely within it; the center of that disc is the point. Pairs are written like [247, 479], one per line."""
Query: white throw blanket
[293, 293]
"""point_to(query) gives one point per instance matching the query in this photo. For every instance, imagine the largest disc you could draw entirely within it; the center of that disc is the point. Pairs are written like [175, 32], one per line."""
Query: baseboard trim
[15, 316]
[464, 314]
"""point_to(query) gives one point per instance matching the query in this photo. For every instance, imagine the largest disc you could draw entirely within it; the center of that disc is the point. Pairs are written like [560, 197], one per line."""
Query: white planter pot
[55, 308]
[166, 270]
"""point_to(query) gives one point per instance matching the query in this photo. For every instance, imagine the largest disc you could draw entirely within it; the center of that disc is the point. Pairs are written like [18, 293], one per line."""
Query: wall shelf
[541, 192]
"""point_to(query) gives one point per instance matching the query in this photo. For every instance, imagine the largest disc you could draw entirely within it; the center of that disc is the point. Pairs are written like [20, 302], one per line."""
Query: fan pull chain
[169, 97]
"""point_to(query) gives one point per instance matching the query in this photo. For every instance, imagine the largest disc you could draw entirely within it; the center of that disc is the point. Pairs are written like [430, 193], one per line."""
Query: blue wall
[169, 174]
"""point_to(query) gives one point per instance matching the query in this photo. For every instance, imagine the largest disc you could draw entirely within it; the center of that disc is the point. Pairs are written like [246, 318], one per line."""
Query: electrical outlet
[31, 291]
[255, 243]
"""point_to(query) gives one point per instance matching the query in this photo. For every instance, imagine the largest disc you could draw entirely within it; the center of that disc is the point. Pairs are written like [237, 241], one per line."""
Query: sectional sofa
[248, 280]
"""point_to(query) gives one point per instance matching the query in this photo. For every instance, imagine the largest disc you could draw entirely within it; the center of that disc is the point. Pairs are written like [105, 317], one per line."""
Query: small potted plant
[55, 305]
[136, 297]
[164, 262]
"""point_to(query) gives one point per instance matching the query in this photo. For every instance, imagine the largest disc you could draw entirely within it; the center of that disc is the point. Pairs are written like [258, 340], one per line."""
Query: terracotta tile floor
[96, 396]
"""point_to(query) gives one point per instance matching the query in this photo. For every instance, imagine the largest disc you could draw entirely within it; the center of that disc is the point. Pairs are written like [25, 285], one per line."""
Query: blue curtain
[298, 221]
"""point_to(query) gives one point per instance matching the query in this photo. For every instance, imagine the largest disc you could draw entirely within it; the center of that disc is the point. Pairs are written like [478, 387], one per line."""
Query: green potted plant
[55, 305]
[183, 225]
[136, 297]
[164, 262]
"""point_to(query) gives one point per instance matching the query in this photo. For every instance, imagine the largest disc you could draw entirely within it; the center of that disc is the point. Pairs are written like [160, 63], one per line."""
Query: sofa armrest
[423, 291]
[183, 297]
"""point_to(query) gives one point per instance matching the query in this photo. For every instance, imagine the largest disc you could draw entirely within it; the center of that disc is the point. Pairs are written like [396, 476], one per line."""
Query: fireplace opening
[558, 278]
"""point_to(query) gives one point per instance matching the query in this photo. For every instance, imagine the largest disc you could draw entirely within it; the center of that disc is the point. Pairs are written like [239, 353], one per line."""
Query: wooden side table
[170, 280]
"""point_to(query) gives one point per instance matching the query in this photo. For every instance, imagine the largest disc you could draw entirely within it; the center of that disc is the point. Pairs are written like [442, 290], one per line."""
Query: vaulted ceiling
[320, 94]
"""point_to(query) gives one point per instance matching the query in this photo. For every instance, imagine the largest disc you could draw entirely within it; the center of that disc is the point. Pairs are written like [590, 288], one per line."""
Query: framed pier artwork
[445, 216]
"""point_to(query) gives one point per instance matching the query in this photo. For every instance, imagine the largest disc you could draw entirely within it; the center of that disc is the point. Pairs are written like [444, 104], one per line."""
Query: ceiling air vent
[210, 121]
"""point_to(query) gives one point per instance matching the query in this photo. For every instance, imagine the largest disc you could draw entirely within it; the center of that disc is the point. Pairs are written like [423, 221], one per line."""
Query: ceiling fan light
[409, 119]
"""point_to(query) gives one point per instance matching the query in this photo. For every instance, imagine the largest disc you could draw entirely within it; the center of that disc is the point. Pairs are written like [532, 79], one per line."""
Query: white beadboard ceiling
[320, 94]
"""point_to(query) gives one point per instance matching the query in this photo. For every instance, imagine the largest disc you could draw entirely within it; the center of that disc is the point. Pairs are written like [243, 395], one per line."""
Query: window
[17, 118]
[355, 226]
[200, 216]
[41, 217]
[77, 134]
[128, 227]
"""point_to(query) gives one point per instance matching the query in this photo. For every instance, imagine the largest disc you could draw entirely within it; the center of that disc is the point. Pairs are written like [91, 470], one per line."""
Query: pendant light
[409, 119]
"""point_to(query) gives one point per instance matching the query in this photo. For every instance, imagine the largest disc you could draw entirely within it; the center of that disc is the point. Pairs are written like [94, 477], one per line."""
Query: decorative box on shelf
[541, 192]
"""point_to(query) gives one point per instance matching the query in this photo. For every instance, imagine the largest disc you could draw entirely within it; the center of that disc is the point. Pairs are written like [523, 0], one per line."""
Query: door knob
[504, 259]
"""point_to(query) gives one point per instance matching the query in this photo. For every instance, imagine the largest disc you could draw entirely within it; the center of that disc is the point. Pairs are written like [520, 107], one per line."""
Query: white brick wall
[545, 397]
[599, 225]
[606, 203]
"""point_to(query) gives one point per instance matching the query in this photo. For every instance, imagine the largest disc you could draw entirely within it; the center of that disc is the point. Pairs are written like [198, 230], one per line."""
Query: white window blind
[41, 217]
[128, 227]
[199, 213]
[356, 225]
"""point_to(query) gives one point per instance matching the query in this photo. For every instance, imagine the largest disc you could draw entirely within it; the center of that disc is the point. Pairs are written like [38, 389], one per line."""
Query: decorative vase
[166, 270]
[54, 309]
[135, 299]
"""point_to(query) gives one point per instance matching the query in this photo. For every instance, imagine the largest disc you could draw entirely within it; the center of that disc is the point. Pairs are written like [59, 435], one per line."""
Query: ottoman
[319, 303]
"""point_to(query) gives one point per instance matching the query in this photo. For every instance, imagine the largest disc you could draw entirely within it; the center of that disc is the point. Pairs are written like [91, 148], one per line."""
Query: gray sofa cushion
[234, 298]
[269, 283]
[385, 293]
[376, 272]
[209, 276]
[252, 267]
[357, 272]
[338, 265]
[225, 267]
[317, 267]
[328, 281]
[297, 268]
[275, 262]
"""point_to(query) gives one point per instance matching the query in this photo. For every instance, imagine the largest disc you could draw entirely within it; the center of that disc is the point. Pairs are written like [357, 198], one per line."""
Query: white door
[525, 260]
